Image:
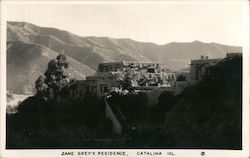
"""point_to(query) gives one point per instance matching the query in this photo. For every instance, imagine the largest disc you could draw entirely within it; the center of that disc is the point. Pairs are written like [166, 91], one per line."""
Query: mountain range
[31, 47]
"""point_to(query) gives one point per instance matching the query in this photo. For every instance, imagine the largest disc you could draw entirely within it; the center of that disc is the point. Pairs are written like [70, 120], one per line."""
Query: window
[101, 68]
[105, 89]
[151, 70]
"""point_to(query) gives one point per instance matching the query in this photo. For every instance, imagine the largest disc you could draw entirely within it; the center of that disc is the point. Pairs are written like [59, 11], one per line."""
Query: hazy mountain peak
[196, 41]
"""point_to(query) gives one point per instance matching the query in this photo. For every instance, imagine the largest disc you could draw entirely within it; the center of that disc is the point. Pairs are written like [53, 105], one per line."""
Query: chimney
[202, 57]
[206, 58]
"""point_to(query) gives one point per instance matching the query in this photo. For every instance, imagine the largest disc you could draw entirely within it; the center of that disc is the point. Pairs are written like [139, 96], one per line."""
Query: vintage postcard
[124, 79]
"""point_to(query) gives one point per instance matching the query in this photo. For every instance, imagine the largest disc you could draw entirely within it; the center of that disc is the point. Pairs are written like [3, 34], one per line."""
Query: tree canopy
[55, 78]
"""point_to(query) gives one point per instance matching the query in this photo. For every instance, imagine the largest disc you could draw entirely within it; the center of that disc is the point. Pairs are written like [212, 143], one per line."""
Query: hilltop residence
[125, 76]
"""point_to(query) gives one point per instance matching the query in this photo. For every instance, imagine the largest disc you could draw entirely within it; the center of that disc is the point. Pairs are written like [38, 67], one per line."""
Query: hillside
[178, 55]
[25, 62]
[89, 51]
[175, 55]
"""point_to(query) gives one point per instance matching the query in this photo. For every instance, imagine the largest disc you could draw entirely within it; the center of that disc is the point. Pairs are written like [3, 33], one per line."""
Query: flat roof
[206, 60]
[128, 62]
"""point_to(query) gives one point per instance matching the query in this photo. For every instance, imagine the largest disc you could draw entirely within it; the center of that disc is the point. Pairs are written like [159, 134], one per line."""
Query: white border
[130, 152]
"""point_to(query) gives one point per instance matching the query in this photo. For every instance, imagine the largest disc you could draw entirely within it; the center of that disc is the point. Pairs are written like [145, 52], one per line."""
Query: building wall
[117, 127]
[199, 67]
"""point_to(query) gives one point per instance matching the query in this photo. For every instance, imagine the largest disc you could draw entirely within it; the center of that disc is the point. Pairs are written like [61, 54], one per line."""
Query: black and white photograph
[123, 76]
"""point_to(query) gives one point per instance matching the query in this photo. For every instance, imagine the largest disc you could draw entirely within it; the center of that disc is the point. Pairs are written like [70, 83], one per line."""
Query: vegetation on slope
[207, 115]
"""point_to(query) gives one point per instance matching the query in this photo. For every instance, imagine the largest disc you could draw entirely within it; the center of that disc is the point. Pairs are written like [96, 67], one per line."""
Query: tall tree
[55, 78]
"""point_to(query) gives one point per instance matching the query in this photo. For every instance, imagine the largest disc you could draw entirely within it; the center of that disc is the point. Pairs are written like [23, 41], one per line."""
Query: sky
[161, 24]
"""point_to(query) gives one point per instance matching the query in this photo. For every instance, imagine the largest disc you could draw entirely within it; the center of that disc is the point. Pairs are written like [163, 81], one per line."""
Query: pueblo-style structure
[200, 67]
[128, 76]
[125, 76]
